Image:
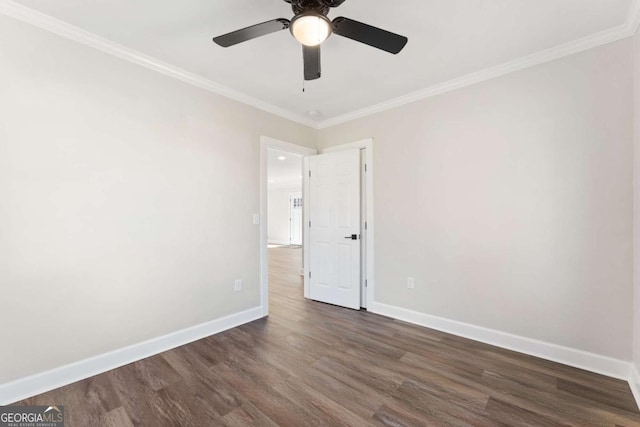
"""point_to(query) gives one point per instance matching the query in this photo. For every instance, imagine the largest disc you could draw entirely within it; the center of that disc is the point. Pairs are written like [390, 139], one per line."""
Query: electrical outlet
[237, 287]
[411, 283]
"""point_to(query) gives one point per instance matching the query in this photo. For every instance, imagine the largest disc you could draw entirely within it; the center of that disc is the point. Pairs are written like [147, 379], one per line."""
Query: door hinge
[365, 225]
[309, 224]
[365, 167]
[365, 283]
[309, 275]
[309, 173]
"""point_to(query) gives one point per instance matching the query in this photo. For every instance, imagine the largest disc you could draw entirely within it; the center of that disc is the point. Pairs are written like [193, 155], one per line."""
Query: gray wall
[126, 201]
[510, 201]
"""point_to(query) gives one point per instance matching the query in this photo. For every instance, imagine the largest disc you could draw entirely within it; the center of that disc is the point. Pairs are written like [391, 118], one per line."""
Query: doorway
[367, 279]
[284, 198]
[281, 217]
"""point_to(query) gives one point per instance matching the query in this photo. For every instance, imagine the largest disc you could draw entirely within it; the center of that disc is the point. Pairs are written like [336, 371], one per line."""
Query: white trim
[265, 144]
[23, 388]
[628, 29]
[633, 20]
[364, 232]
[568, 356]
[367, 145]
[61, 28]
[633, 17]
[634, 383]
[306, 167]
[46, 22]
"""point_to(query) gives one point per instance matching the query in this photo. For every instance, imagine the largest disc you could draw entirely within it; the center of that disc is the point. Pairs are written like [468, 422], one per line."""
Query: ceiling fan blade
[252, 32]
[311, 57]
[373, 36]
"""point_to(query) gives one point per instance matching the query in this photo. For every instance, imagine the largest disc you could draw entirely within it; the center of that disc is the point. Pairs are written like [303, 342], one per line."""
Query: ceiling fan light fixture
[310, 29]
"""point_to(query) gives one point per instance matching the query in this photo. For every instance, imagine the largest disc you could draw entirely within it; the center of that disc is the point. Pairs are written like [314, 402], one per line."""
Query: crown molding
[61, 28]
[633, 17]
[625, 30]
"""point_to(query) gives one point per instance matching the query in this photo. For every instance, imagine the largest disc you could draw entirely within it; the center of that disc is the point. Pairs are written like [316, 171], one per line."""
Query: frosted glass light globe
[311, 30]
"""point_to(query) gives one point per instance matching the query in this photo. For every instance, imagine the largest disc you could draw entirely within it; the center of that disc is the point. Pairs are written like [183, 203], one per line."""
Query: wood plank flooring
[312, 364]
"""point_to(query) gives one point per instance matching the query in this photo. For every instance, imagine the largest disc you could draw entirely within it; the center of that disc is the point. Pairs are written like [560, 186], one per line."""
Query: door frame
[367, 145]
[265, 144]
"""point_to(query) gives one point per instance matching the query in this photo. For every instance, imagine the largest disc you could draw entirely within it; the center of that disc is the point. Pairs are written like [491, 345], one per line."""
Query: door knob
[352, 237]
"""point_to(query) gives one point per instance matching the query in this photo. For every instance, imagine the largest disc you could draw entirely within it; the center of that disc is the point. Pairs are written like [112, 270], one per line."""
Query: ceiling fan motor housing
[318, 6]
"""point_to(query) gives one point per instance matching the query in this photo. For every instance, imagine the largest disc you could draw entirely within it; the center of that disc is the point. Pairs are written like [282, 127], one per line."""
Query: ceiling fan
[310, 26]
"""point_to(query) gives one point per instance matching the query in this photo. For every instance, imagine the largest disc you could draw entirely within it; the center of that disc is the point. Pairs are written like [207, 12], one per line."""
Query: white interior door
[295, 219]
[334, 228]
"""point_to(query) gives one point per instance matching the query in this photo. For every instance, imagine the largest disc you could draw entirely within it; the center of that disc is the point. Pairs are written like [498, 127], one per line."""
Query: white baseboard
[40, 383]
[634, 383]
[568, 356]
[23, 388]
[279, 242]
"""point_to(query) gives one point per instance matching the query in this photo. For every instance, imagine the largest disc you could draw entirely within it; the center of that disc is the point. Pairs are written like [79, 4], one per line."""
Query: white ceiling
[284, 173]
[447, 39]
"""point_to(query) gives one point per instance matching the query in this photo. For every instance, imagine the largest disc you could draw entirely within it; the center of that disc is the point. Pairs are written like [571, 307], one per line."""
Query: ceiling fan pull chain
[303, 81]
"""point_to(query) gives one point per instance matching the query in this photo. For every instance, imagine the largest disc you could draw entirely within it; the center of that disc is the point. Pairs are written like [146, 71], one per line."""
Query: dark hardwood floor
[314, 364]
